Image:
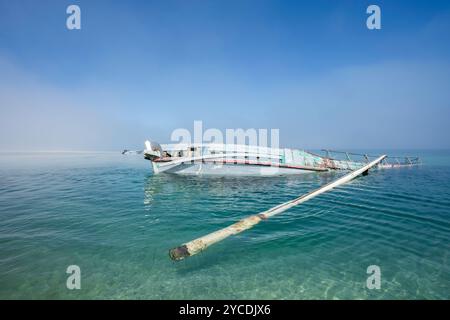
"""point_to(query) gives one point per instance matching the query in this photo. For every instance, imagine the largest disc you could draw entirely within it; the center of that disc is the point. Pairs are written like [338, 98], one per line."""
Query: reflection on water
[223, 187]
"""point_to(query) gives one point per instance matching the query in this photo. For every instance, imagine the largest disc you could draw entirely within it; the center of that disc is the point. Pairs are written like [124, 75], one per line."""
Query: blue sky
[140, 69]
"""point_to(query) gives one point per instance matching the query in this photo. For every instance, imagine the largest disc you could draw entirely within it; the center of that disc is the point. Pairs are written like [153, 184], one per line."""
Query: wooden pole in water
[195, 246]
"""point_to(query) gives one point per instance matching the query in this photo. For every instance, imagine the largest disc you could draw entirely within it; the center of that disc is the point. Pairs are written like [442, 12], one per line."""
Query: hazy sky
[140, 69]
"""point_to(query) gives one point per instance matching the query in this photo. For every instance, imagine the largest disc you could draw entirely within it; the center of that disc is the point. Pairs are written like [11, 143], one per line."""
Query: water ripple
[108, 214]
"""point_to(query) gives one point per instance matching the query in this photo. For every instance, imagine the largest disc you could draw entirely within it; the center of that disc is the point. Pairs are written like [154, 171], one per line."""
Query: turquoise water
[110, 216]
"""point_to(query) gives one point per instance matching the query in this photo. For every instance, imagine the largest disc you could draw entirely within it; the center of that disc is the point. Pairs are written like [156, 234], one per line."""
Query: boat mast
[195, 246]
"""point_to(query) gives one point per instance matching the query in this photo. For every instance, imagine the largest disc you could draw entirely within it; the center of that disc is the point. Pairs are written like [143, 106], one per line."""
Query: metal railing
[392, 161]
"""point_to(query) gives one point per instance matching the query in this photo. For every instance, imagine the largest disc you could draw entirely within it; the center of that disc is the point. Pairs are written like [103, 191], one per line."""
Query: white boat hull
[242, 160]
[227, 169]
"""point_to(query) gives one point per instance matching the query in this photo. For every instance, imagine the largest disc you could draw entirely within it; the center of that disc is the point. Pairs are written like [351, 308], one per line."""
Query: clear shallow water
[109, 215]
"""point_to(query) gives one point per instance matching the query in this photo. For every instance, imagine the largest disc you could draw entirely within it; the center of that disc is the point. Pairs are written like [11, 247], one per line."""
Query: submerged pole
[195, 246]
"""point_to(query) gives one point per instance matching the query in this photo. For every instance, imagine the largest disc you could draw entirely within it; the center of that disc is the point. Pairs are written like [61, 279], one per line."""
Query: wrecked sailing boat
[242, 160]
